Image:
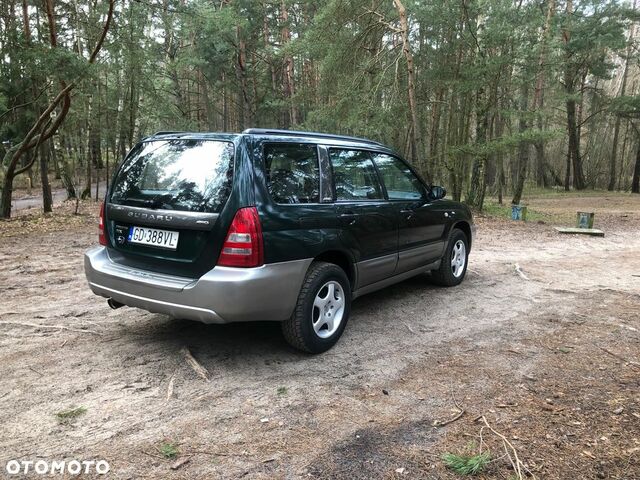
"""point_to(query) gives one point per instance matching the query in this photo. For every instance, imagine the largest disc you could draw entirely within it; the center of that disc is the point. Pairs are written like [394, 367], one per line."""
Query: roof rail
[299, 133]
[165, 132]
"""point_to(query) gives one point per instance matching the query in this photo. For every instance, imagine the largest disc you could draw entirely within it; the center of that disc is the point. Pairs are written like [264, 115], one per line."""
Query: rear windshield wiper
[155, 202]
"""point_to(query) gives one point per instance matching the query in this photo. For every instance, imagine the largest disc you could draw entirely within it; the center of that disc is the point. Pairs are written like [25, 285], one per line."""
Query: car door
[368, 223]
[295, 214]
[420, 226]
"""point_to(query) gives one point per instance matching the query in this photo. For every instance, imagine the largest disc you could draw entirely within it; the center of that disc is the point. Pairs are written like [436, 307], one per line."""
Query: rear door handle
[348, 218]
[408, 214]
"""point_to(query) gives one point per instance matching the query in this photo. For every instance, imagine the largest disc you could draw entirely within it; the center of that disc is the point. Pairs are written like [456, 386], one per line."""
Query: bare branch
[103, 34]
[39, 141]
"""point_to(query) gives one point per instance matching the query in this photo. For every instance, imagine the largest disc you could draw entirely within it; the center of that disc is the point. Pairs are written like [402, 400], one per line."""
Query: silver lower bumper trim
[222, 295]
[158, 306]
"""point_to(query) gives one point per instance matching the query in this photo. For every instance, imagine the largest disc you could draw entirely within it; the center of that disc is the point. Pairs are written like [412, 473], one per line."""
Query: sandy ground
[551, 360]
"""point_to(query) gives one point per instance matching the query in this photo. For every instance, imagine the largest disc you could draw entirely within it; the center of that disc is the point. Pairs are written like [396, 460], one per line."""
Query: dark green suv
[270, 225]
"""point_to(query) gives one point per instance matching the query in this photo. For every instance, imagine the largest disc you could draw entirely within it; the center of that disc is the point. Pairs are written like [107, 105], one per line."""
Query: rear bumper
[222, 295]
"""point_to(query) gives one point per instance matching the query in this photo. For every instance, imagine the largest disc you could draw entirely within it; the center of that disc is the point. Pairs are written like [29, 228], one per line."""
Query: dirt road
[22, 201]
[550, 357]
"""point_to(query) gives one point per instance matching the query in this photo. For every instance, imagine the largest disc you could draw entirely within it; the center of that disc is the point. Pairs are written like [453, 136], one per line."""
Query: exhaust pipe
[113, 304]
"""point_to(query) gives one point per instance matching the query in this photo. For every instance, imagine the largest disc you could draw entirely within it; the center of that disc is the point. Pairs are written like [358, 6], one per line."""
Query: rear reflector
[102, 237]
[243, 246]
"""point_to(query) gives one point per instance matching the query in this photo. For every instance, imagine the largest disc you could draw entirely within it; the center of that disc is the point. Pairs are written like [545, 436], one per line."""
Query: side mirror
[437, 192]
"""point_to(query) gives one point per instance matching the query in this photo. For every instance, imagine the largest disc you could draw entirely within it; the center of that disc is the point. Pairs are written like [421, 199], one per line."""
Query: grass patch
[168, 450]
[467, 464]
[65, 416]
[282, 390]
[494, 209]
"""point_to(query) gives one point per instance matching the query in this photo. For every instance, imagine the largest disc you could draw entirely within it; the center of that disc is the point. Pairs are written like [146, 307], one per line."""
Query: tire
[450, 275]
[313, 327]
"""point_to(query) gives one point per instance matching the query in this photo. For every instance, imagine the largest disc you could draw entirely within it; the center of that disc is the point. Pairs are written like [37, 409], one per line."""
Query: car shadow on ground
[264, 340]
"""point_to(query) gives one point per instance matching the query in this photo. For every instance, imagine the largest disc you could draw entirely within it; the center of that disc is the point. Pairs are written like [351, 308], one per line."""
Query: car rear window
[185, 175]
[292, 172]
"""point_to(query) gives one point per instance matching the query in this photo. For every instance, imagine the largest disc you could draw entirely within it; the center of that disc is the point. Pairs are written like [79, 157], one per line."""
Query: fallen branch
[193, 363]
[57, 327]
[520, 272]
[217, 454]
[35, 371]
[620, 357]
[461, 412]
[439, 423]
[170, 387]
[179, 463]
[518, 465]
[153, 455]
[588, 454]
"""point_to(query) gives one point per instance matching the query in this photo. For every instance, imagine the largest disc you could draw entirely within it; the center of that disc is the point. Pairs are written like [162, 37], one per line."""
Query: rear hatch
[163, 212]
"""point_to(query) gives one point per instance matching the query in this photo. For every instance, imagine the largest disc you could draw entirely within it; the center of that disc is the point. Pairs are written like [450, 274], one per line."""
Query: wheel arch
[341, 259]
[466, 229]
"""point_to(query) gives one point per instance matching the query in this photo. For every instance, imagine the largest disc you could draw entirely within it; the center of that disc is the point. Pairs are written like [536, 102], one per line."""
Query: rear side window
[354, 176]
[293, 175]
[185, 175]
[399, 180]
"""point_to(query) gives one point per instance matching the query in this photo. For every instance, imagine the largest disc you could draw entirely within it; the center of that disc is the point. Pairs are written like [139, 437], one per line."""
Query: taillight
[243, 246]
[102, 238]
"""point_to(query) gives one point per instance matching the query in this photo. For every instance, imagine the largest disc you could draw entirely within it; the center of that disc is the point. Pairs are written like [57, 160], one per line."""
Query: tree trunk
[417, 155]
[623, 155]
[478, 185]
[541, 177]
[5, 197]
[47, 200]
[267, 46]
[86, 193]
[501, 179]
[225, 105]
[573, 157]
[635, 182]
[106, 175]
[54, 159]
[434, 135]
[289, 86]
[523, 151]
[97, 197]
[614, 153]
[538, 96]
[567, 173]
[613, 161]
[67, 180]
[241, 74]
[574, 144]
[499, 130]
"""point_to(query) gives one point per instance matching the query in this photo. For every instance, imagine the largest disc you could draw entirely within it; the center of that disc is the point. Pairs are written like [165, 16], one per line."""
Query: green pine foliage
[494, 81]
[467, 464]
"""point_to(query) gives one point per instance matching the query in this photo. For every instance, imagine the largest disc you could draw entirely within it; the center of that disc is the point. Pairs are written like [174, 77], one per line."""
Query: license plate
[154, 237]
